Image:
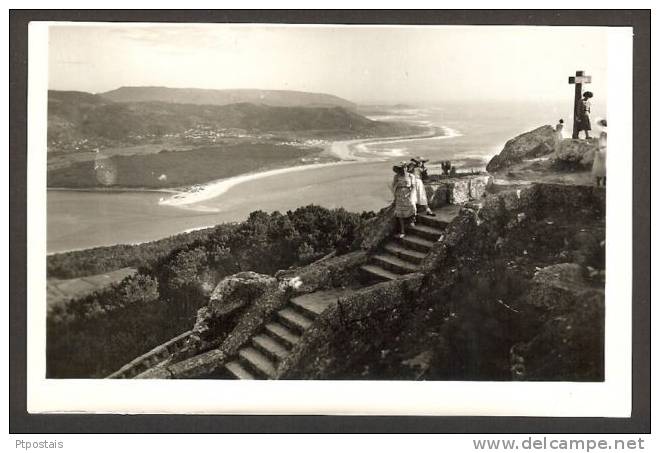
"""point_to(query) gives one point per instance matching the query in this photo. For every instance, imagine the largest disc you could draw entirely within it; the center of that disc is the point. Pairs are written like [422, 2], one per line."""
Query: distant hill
[276, 98]
[77, 115]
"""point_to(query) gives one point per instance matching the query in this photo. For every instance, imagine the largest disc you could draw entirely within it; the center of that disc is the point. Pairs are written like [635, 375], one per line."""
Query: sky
[362, 64]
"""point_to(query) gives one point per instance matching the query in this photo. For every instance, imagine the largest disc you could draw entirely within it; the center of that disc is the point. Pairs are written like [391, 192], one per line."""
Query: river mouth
[360, 181]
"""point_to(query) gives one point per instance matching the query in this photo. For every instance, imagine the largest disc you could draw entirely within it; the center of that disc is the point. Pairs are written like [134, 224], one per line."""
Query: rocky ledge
[541, 155]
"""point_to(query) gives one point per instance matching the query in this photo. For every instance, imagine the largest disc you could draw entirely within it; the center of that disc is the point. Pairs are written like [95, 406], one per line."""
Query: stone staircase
[259, 359]
[397, 257]
[401, 256]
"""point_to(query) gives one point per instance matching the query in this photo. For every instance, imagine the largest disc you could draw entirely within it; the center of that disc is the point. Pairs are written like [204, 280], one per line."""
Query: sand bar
[344, 150]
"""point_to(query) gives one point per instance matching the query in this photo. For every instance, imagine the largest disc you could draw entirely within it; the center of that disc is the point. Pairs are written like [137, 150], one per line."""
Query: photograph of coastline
[326, 202]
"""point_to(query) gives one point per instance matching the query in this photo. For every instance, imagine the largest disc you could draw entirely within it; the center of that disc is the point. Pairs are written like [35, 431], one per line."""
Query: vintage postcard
[329, 219]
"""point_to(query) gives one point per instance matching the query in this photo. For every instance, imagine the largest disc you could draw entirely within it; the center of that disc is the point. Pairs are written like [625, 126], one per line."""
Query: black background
[640, 422]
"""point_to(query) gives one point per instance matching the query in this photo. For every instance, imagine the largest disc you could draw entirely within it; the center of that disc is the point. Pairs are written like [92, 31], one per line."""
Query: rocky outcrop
[227, 301]
[236, 291]
[542, 156]
[554, 288]
[575, 154]
[569, 343]
[537, 143]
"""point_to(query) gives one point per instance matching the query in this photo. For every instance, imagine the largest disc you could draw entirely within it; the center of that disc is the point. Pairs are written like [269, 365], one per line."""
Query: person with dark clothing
[584, 110]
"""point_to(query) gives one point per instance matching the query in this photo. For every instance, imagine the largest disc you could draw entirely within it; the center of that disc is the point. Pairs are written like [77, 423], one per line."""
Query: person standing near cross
[583, 121]
[581, 104]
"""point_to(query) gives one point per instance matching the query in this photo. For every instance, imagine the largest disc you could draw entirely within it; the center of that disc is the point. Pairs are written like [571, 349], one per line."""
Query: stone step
[416, 243]
[448, 213]
[426, 232]
[377, 272]
[314, 304]
[404, 253]
[282, 333]
[435, 222]
[269, 346]
[237, 370]
[294, 320]
[257, 362]
[394, 264]
[443, 216]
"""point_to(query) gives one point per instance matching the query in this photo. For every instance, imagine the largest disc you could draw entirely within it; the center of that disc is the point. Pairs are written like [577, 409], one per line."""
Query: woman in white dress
[418, 170]
[599, 168]
[559, 134]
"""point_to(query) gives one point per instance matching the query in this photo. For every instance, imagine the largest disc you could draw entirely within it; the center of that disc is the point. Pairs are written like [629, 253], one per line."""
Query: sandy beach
[355, 149]
[216, 188]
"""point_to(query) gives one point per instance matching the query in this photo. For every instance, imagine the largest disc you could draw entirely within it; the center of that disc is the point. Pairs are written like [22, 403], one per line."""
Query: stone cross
[578, 80]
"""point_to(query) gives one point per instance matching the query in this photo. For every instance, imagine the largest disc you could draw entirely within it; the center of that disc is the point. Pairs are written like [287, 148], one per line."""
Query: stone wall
[343, 332]
[334, 272]
[442, 191]
[376, 230]
[140, 364]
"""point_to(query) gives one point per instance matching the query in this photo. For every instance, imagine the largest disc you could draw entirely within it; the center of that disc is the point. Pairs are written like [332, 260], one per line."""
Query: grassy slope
[60, 291]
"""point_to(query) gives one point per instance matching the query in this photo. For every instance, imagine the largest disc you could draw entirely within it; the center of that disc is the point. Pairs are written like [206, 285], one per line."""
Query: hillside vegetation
[278, 98]
[82, 115]
[95, 335]
[98, 260]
